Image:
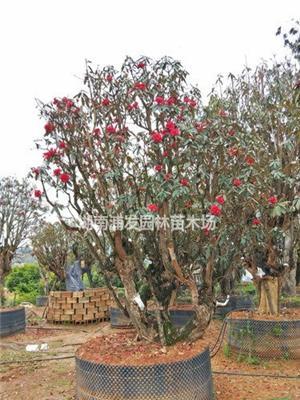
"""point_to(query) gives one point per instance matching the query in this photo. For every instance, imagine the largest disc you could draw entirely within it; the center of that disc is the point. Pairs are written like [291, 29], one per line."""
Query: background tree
[19, 214]
[50, 244]
[267, 144]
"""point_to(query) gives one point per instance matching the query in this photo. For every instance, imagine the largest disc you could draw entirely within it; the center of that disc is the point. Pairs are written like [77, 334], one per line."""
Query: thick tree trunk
[289, 277]
[289, 282]
[6, 256]
[126, 268]
[268, 292]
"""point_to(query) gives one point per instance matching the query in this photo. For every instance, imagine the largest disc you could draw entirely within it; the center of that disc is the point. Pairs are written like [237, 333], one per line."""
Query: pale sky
[44, 44]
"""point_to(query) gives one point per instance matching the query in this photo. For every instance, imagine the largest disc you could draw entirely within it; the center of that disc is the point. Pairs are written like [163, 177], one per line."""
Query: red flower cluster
[49, 154]
[62, 145]
[220, 199]
[249, 160]
[97, 132]
[158, 168]
[172, 128]
[105, 102]
[191, 102]
[233, 151]
[256, 221]
[57, 172]
[160, 100]
[153, 207]
[272, 200]
[171, 101]
[236, 182]
[37, 193]
[231, 132]
[109, 78]
[36, 171]
[215, 210]
[140, 86]
[184, 182]
[64, 177]
[49, 127]
[133, 106]
[141, 65]
[157, 137]
[110, 129]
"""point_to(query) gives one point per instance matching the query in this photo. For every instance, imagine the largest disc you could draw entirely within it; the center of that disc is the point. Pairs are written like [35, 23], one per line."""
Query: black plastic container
[189, 379]
[12, 321]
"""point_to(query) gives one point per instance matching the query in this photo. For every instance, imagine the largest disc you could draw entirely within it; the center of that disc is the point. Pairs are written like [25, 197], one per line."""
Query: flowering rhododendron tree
[266, 145]
[19, 214]
[138, 146]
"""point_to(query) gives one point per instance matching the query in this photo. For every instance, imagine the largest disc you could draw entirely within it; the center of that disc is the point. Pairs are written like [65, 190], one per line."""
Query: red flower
[170, 125]
[110, 129]
[231, 132]
[62, 144]
[97, 132]
[69, 103]
[49, 154]
[140, 86]
[105, 102]
[109, 78]
[57, 172]
[36, 171]
[193, 103]
[152, 207]
[249, 160]
[172, 128]
[215, 210]
[160, 100]
[49, 127]
[237, 182]
[133, 106]
[37, 193]
[158, 168]
[157, 137]
[256, 221]
[186, 99]
[220, 199]
[165, 153]
[168, 176]
[171, 101]
[184, 182]
[272, 200]
[64, 177]
[233, 151]
[141, 65]
[206, 231]
[223, 113]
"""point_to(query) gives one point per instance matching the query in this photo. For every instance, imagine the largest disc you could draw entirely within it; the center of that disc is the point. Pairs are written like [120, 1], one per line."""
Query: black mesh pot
[118, 319]
[41, 301]
[178, 317]
[264, 338]
[189, 379]
[12, 321]
[235, 303]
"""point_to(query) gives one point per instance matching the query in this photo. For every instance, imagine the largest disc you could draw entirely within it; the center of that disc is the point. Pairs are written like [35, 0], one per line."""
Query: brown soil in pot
[122, 349]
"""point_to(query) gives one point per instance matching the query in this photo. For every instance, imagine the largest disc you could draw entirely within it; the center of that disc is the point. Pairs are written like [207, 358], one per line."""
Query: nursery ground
[55, 380]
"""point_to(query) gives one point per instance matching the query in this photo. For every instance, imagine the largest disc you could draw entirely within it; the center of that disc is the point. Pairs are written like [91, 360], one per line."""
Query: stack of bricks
[90, 305]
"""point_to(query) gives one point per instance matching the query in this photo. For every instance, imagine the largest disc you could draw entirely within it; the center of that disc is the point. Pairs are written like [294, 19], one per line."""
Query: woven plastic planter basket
[265, 339]
[190, 379]
[12, 321]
